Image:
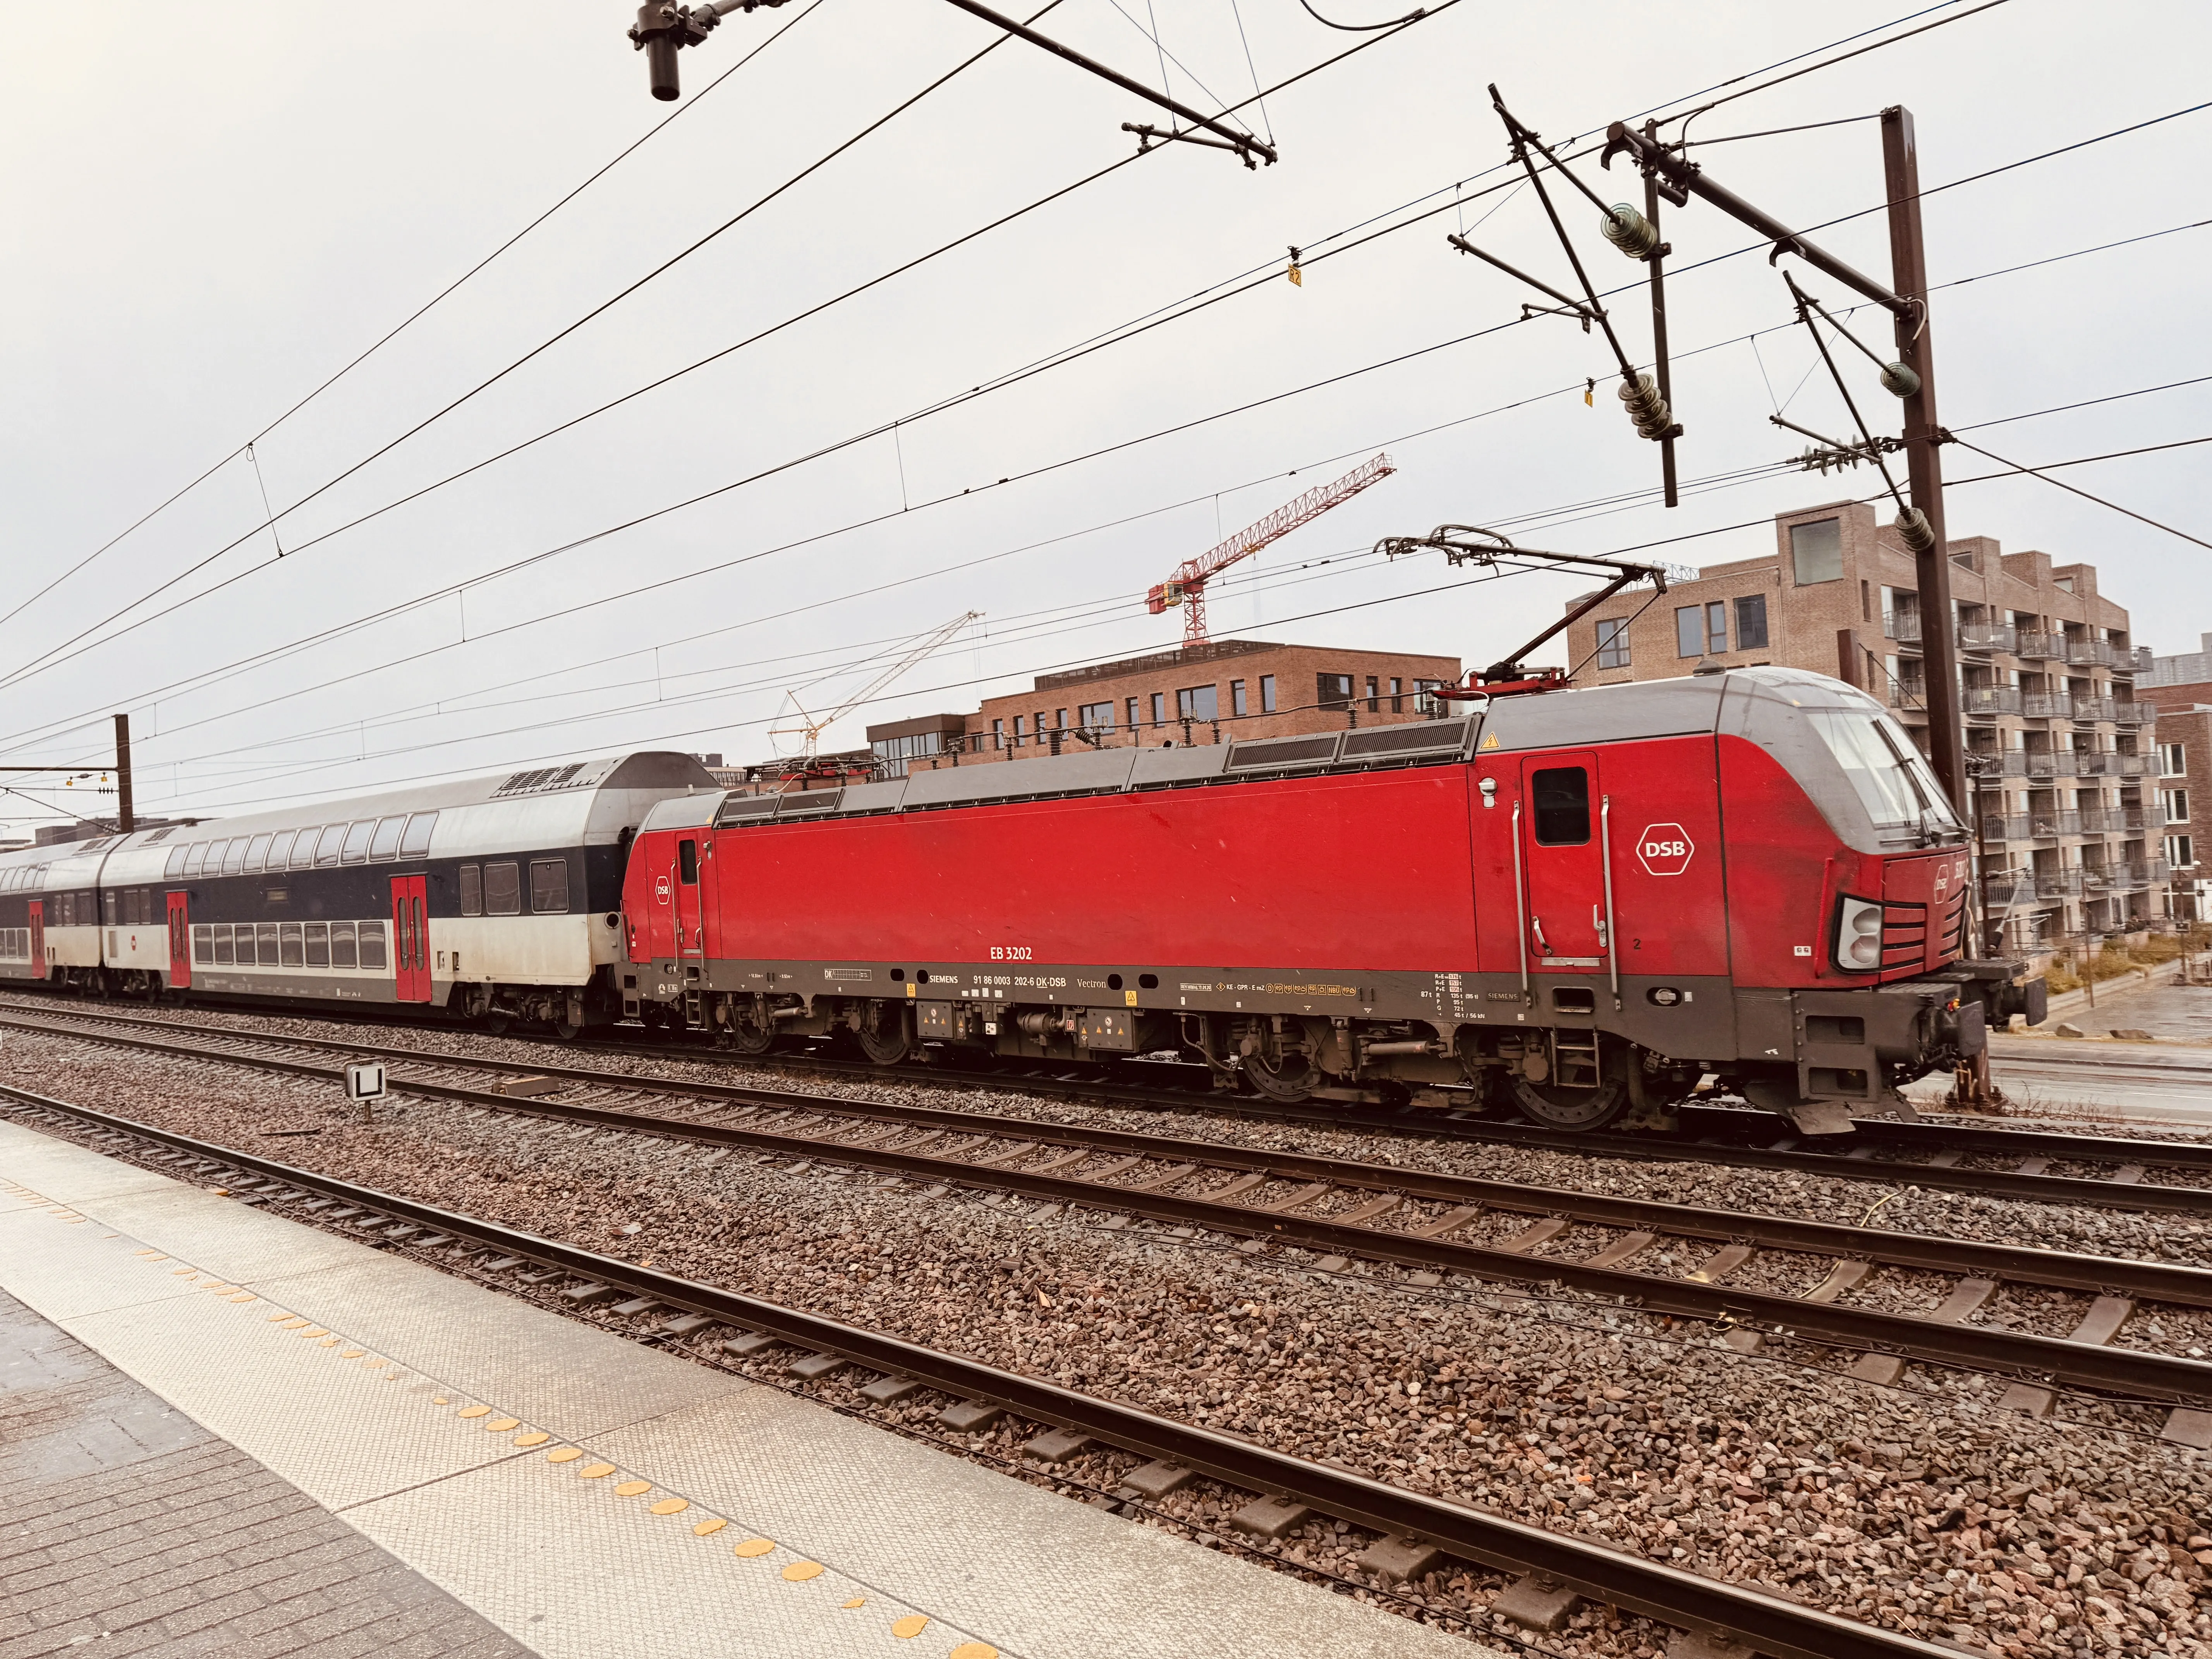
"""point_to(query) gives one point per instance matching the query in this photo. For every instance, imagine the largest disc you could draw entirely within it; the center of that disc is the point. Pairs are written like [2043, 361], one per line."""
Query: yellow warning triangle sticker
[1490, 742]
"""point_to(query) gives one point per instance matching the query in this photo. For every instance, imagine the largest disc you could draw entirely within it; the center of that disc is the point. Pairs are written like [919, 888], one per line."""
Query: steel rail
[1769, 1624]
[2130, 1373]
[2095, 1275]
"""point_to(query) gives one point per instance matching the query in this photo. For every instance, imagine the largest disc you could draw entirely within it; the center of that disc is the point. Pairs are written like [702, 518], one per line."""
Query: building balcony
[2006, 890]
[2133, 819]
[2155, 871]
[2000, 763]
[2053, 763]
[2134, 713]
[1988, 702]
[2046, 705]
[1903, 626]
[2137, 661]
[2086, 653]
[2059, 883]
[2030, 644]
[2090, 709]
[2046, 825]
[1984, 636]
[2007, 826]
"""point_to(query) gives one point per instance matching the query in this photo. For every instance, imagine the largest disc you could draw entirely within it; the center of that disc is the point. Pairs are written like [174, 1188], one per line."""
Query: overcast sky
[211, 209]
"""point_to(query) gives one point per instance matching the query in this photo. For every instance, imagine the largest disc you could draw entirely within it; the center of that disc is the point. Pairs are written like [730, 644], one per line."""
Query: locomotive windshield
[1885, 768]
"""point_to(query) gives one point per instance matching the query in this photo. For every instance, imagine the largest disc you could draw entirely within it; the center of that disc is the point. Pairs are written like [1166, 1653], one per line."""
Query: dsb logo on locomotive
[1664, 849]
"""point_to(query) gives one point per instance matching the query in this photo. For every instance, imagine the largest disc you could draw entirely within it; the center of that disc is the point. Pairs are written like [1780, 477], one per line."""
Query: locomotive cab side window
[502, 890]
[687, 861]
[471, 889]
[1559, 796]
[548, 886]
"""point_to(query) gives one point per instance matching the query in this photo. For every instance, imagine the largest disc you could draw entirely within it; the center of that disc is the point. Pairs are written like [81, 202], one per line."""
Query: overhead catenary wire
[410, 319]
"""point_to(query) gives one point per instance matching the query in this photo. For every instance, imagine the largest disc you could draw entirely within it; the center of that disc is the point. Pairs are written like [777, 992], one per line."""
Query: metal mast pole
[126, 820]
[1923, 460]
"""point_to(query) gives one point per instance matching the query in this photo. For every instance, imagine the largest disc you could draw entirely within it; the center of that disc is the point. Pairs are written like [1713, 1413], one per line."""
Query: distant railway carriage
[1584, 900]
[497, 896]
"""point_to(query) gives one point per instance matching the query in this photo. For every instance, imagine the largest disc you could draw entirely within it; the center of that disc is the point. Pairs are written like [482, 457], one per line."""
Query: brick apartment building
[2181, 686]
[2067, 804]
[1222, 692]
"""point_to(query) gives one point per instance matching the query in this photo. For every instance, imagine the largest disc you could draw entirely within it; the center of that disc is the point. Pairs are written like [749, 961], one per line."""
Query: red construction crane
[1187, 587]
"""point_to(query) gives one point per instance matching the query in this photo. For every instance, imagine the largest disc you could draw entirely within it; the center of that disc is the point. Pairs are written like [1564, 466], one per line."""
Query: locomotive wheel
[565, 1031]
[886, 1048]
[1289, 1085]
[744, 1037]
[1554, 1108]
[496, 1021]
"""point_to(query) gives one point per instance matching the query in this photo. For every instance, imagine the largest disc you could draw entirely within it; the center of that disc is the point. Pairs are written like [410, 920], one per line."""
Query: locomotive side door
[1562, 861]
[180, 944]
[691, 924]
[411, 938]
[37, 939]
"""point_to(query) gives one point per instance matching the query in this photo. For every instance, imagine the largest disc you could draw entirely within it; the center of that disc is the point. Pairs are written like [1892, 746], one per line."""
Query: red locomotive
[1581, 902]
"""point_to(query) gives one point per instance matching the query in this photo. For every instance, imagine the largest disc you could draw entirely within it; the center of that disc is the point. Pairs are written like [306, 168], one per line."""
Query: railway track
[1432, 1223]
[1418, 1527]
[2109, 1171]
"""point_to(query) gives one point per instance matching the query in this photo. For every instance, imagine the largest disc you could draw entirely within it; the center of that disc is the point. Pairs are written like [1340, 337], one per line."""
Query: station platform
[510, 1481]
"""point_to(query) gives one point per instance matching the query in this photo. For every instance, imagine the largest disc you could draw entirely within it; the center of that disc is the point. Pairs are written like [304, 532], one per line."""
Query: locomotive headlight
[1858, 936]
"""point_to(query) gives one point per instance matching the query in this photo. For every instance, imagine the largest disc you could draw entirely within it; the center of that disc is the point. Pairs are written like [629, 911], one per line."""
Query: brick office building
[1219, 692]
[2067, 797]
[2181, 686]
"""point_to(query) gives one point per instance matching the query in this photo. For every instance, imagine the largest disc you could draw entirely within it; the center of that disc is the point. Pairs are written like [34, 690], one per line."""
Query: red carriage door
[1562, 862]
[691, 924]
[37, 939]
[180, 944]
[411, 938]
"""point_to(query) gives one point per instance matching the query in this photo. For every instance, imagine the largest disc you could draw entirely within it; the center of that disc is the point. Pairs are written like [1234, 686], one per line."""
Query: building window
[1333, 690]
[1373, 706]
[1816, 551]
[1160, 708]
[1059, 720]
[2172, 761]
[2180, 851]
[1020, 727]
[998, 734]
[1690, 631]
[1613, 643]
[503, 888]
[1095, 716]
[1136, 717]
[1751, 623]
[1198, 702]
[1717, 627]
[1266, 694]
[2176, 802]
[548, 886]
[1236, 698]
[1397, 696]
[1561, 797]
[1426, 701]
[1040, 727]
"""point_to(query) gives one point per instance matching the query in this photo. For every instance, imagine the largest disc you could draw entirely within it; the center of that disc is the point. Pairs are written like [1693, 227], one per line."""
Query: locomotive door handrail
[1611, 938]
[1520, 906]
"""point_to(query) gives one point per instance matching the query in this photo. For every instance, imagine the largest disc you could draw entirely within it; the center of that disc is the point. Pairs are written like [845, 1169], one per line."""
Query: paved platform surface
[589, 1497]
[125, 1528]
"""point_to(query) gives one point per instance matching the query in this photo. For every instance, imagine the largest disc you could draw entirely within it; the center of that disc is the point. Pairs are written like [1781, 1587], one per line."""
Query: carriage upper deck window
[385, 847]
[1560, 797]
[415, 844]
[356, 842]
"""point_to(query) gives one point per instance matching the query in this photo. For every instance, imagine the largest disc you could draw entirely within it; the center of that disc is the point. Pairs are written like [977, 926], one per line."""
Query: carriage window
[289, 943]
[270, 952]
[342, 953]
[108, 900]
[233, 855]
[503, 890]
[356, 842]
[222, 944]
[385, 847]
[472, 890]
[549, 885]
[318, 944]
[303, 850]
[687, 861]
[256, 854]
[329, 845]
[204, 945]
[415, 844]
[175, 866]
[1561, 797]
[372, 944]
[193, 854]
[280, 851]
[245, 947]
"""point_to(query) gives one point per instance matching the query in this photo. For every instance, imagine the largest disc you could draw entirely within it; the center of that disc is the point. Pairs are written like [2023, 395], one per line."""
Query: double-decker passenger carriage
[1582, 903]
[497, 896]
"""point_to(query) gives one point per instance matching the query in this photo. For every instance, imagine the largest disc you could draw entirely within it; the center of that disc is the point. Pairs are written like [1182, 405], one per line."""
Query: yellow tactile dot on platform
[566, 1454]
[596, 1471]
[441, 1399]
[910, 1626]
[799, 1571]
[858, 1601]
[328, 1342]
[291, 1322]
[315, 1330]
[671, 1506]
[535, 1438]
[633, 1488]
[502, 1425]
[707, 1527]
[180, 1273]
[243, 1298]
[352, 1353]
[475, 1411]
[974, 1650]
[753, 1546]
